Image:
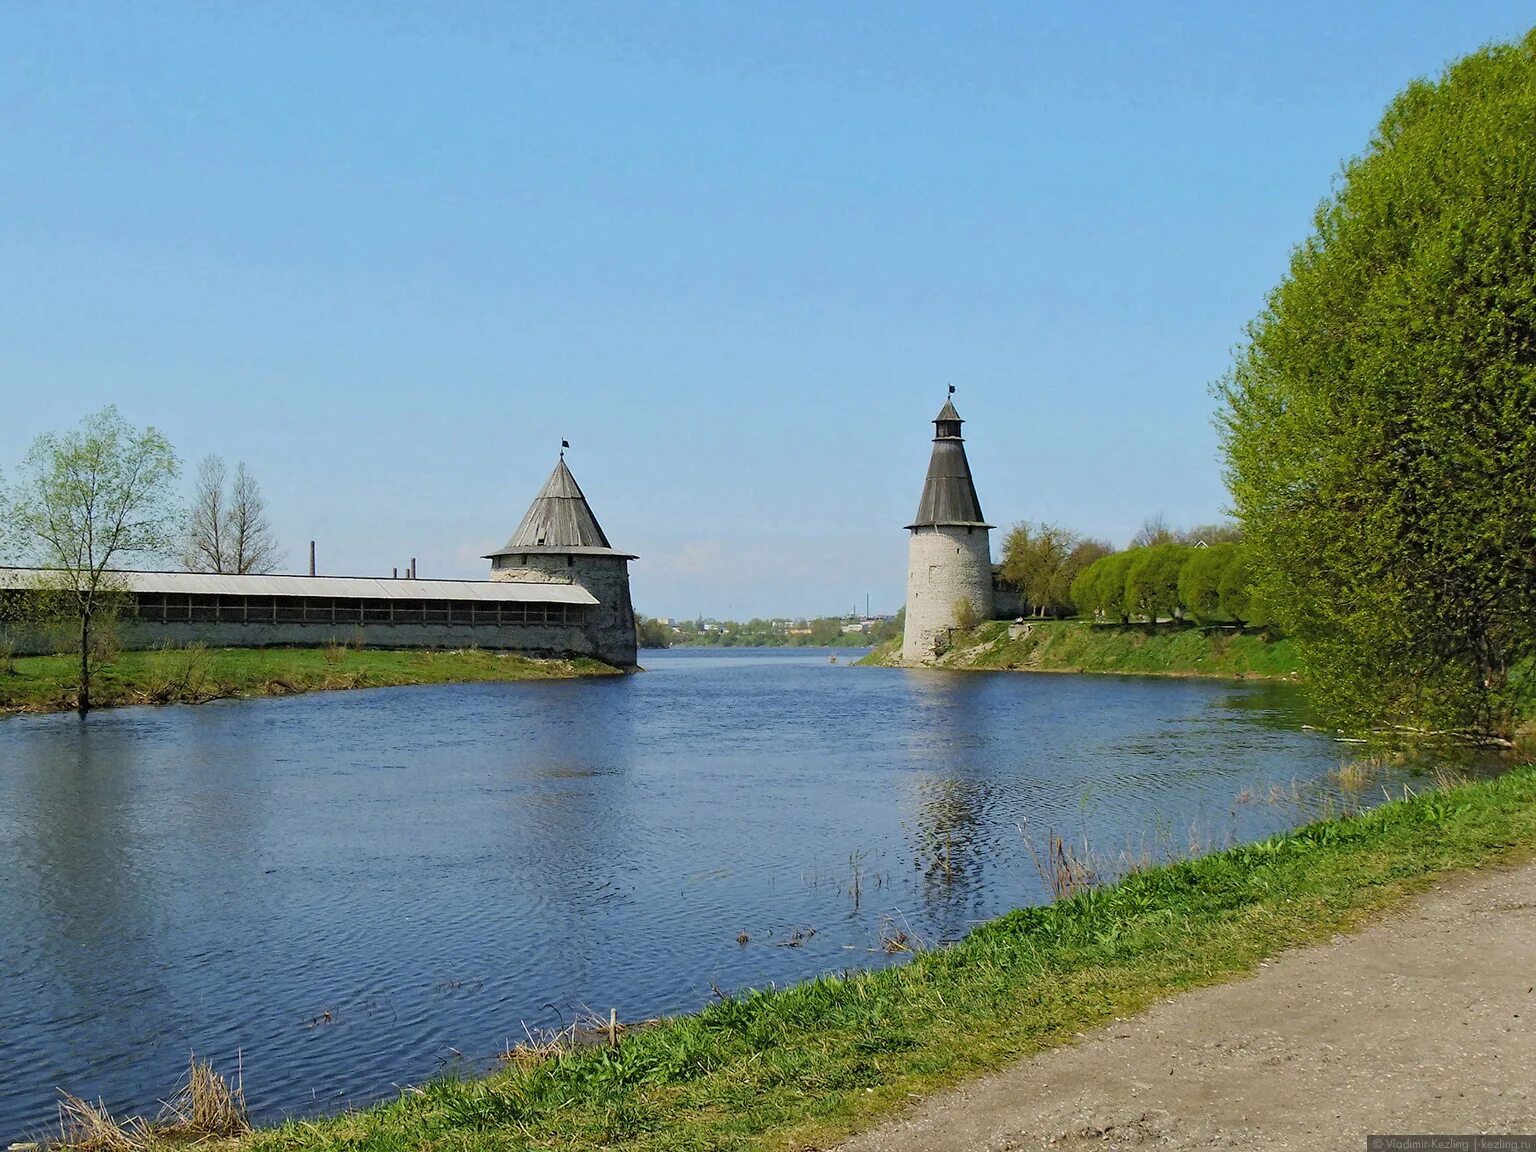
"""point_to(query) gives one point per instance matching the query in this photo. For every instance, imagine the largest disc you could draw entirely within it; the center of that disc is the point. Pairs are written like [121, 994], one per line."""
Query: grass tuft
[205, 1104]
[87, 1127]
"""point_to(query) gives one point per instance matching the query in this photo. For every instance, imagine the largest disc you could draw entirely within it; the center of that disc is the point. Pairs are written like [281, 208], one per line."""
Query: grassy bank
[196, 675]
[1134, 649]
[805, 1065]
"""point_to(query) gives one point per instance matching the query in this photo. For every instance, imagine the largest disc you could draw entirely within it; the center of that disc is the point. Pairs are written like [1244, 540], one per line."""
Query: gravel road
[1420, 1023]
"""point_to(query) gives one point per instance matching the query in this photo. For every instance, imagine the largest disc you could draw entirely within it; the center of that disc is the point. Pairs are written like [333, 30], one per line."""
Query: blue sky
[389, 255]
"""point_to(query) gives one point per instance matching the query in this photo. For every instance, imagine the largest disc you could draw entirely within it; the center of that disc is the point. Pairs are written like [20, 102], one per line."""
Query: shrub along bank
[1131, 649]
[808, 1064]
[196, 675]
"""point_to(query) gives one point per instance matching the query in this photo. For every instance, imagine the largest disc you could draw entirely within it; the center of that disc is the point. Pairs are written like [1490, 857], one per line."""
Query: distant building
[949, 554]
[556, 589]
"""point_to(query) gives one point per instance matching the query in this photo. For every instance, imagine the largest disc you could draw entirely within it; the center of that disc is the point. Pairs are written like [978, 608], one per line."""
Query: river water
[354, 891]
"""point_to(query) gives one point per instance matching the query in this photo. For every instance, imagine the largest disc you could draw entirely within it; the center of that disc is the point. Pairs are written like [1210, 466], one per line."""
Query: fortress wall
[943, 565]
[529, 639]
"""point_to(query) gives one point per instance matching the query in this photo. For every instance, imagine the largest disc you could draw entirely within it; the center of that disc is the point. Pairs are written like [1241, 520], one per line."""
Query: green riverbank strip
[197, 675]
[806, 1065]
[1127, 649]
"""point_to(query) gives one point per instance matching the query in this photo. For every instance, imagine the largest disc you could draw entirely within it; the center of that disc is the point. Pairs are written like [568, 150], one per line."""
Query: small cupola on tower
[949, 554]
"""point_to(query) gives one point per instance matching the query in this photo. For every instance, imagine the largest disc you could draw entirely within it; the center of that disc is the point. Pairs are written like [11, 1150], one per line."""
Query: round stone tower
[949, 557]
[561, 542]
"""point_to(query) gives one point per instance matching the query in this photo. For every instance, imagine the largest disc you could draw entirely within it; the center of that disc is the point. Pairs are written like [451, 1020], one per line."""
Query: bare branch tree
[227, 527]
[204, 549]
[1153, 531]
[251, 544]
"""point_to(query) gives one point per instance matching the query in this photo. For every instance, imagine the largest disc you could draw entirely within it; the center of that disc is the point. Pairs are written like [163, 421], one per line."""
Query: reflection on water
[349, 890]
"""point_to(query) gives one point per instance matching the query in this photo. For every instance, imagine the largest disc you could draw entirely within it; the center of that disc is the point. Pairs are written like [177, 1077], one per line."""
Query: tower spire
[949, 493]
[560, 521]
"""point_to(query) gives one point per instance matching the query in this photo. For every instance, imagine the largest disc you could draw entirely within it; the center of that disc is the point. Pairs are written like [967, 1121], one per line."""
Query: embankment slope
[1077, 646]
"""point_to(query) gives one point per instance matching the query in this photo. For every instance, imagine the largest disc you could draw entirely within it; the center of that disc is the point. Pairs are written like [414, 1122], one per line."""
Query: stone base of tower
[608, 632]
[945, 565]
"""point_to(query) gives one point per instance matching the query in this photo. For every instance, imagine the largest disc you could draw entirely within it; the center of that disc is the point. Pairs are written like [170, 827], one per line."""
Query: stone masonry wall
[610, 627]
[943, 565]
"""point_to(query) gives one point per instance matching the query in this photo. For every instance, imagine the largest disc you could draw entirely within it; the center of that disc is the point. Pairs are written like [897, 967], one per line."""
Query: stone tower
[561, 542]
[949, 557]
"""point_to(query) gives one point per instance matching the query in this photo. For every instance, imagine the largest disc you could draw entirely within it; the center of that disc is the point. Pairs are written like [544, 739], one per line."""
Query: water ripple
[345, 893]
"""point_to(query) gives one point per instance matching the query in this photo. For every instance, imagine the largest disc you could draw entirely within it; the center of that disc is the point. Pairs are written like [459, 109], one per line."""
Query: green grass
[808, 1064]
[1135, 649]
[196, 675]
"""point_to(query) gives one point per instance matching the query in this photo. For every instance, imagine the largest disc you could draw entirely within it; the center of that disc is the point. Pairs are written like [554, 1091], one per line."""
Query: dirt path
[1424, 1022]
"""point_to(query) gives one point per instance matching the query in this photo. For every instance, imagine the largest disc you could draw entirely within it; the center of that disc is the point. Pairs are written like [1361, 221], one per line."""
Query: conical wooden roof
[949, 494]
[560, 520]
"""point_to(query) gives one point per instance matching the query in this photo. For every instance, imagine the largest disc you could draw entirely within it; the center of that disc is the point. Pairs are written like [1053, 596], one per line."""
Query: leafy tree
[886, 630]
[1085, 591]
[1084, 554]
[86, 502]
[1100, 588]
[650, 633]
[1237, 602]
[1038, 561]
[1378, 424]
[1152, 581]
[1200, 581]
[228, 532]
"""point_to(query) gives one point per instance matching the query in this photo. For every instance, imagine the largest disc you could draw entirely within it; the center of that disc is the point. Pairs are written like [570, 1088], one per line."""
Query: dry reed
[87, 1127]
[205, 1104]
[1062, 870]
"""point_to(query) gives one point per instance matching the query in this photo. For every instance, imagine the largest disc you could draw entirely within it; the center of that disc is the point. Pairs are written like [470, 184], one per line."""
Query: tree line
[89, 503]
[1197, 574]
[821, 632]
[1202, 583]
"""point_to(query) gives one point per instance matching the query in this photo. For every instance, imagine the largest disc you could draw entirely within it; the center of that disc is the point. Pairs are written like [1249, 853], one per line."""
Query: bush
[966, 616]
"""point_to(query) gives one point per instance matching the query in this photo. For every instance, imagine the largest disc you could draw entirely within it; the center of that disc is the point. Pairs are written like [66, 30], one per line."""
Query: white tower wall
[944, 564]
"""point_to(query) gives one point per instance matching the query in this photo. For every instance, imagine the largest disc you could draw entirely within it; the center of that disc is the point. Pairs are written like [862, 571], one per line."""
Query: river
[344, 893]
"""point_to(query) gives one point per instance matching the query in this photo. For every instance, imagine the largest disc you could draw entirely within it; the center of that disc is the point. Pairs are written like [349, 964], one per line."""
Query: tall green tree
[1380, 422]
[1152, 581]
[87, 503]
[1099, 590]
[1041, 561]
[1235, 590]
[1083, 556]
[1200, 581]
